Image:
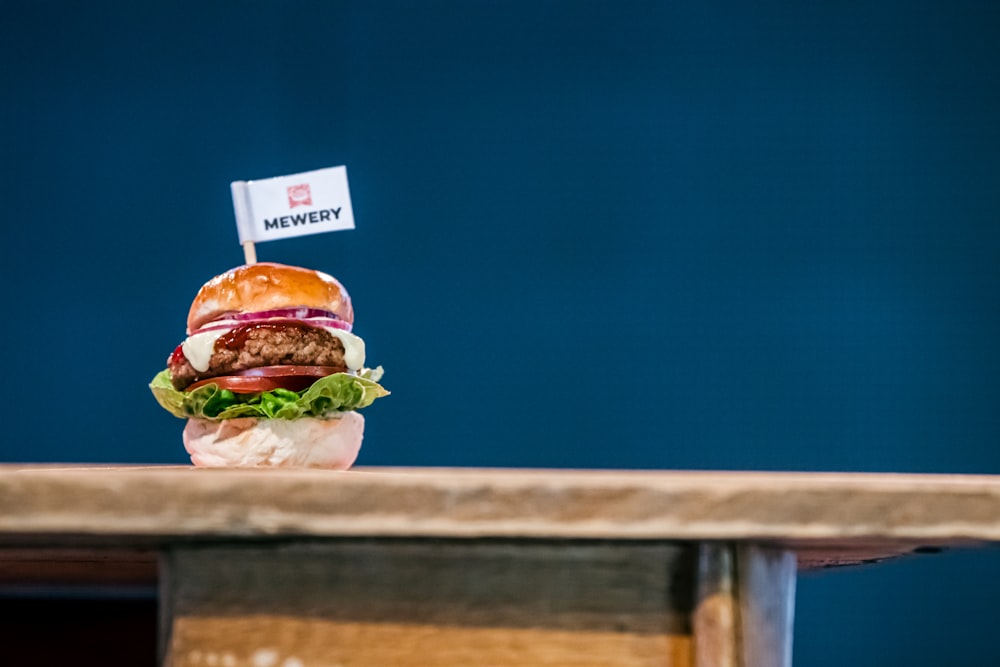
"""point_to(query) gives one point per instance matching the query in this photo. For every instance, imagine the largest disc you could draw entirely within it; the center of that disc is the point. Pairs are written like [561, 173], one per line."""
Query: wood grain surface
[716, 618]
[829, 519]
[403, 603]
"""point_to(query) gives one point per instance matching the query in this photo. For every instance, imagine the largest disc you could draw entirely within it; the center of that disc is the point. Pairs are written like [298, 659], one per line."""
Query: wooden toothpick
[249, 252]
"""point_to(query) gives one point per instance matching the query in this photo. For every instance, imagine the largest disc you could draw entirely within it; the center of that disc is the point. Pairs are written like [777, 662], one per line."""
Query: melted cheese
[199, 347]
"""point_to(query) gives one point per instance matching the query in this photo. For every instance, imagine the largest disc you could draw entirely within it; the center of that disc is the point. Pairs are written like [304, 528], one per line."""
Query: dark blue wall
[719, 235]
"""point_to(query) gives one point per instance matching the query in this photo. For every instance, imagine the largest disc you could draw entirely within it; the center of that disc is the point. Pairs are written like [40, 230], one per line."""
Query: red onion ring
[298, 313]
[332, 322]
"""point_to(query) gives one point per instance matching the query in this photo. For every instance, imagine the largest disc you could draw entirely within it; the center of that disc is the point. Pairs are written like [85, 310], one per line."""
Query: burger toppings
[266, 378]
[264, 343]
[302, 313]
[312, 316]
[326, 398]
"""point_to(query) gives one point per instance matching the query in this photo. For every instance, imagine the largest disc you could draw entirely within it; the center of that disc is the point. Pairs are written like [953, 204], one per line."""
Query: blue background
[716, 235]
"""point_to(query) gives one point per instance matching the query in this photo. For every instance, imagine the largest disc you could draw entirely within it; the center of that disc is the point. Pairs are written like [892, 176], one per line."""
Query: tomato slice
[266, 378]
[288, 371]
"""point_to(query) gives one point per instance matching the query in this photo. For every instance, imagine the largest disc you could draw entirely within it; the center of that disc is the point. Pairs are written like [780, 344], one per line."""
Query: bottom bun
[307, 442]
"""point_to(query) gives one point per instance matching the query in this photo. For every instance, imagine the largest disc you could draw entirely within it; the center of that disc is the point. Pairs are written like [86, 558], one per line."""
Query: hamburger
[270, 373]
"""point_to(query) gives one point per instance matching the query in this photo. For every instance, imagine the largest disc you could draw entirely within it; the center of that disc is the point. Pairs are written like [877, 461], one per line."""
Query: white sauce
[354, 348]
[199, 347]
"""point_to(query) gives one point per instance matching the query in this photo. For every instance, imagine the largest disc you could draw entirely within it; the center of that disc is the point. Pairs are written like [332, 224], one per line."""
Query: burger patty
[262, 344]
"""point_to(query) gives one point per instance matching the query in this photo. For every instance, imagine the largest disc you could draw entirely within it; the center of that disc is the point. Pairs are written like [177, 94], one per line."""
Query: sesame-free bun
[267, 286]
[251, 442]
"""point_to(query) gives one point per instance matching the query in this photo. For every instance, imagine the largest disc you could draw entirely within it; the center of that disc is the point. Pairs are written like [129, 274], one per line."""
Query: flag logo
[299, 195]
[309, 202]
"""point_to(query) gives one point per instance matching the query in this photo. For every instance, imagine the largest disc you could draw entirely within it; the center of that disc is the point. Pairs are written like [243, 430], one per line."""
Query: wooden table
[302, 568]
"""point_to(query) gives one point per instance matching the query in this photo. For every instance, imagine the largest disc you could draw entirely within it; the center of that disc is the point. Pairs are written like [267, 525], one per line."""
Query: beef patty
[261, 344]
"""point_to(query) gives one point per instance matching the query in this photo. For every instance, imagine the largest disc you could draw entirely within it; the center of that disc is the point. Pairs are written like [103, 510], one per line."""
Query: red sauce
[234, 339]
[177, 358]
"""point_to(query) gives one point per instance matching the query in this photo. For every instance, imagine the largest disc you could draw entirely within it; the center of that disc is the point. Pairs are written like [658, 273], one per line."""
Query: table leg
[744, 606]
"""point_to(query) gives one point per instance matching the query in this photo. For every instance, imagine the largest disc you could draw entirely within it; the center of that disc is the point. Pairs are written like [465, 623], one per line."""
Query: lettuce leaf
[334, 393]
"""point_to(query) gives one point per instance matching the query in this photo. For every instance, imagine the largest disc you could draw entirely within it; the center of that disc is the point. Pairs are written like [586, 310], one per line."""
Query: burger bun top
[268, 286]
